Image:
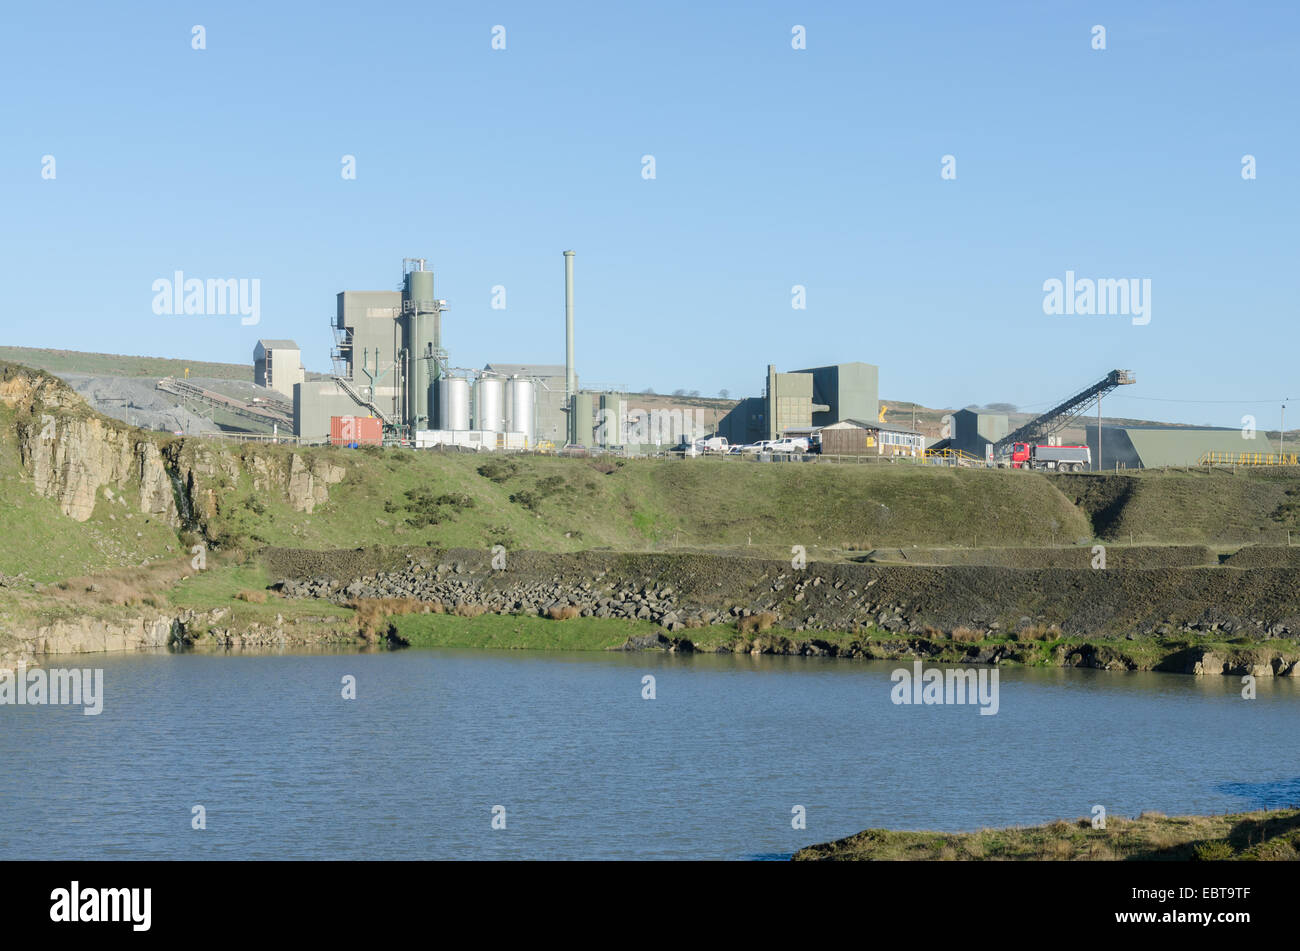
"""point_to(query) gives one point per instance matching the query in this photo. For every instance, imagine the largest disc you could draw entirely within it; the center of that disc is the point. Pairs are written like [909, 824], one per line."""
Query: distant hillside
[110, 364]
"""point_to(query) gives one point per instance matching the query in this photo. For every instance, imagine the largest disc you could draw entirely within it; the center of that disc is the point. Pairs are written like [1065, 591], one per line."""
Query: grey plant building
[802, 399]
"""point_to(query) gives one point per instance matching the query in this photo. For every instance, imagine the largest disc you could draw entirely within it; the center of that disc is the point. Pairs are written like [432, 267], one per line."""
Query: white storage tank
[489, 404]
[453, 403]
[521, 402]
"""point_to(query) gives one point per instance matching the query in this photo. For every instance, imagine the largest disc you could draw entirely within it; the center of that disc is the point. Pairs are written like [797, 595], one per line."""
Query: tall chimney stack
[568, 327]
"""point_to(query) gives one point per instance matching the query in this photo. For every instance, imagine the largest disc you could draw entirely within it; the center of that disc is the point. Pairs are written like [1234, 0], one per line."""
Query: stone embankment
[927, 608]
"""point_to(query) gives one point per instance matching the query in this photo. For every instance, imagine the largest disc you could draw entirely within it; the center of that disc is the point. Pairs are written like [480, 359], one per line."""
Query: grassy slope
[738, 504]
[707, 504]
[642, 504]
[1196, 505]
[648, 504]
[1252, 835]
[112, 364]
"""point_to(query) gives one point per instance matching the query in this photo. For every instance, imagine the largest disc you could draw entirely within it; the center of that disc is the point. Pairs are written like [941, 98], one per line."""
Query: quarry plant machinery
[1018, 446]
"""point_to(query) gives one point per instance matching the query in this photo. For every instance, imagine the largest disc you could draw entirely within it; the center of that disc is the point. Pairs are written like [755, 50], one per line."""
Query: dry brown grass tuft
[1101, 852]
[757, 623]
[1058, 850]
[373, 613]
[965, 635]
[564, 612]
[252, 597]
[124, 587]
[465, 609]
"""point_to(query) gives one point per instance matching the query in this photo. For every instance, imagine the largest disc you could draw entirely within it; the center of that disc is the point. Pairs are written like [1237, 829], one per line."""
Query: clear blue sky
[775, 167]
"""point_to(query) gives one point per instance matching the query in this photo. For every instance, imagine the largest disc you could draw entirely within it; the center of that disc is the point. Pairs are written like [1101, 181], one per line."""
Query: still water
[584, 767]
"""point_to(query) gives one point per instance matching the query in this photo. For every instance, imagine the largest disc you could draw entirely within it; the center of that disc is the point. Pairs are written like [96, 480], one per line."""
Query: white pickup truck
[704, 444]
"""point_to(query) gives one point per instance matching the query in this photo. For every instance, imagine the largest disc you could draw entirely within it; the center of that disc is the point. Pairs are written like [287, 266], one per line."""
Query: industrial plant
[392, 382]
[390, 367]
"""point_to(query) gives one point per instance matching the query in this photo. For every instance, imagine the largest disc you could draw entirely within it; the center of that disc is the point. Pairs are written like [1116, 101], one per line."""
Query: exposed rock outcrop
[177, 631]
[71, 453]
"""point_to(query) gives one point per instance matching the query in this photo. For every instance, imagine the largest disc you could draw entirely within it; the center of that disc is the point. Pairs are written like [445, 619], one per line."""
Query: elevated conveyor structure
[1061, 415]
[266, 411]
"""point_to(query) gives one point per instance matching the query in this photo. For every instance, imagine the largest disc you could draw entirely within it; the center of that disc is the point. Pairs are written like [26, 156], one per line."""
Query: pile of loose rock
[454, 583]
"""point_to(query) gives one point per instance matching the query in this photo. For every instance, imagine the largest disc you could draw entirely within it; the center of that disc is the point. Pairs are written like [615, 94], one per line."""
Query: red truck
[1061, 458]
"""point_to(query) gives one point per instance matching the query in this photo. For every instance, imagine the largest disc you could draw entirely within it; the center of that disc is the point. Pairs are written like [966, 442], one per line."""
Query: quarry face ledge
[175, 630]
[71, 453]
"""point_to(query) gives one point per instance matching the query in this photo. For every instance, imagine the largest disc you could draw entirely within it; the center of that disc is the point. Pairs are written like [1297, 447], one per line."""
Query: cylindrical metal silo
[489, 404]
[453, 403]
[609, 424]
[584, 405]
[520, 399]
[421, 323]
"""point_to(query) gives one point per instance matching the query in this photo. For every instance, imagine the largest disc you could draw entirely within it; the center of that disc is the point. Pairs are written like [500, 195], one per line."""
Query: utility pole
[1281, 429]
[1098, 432]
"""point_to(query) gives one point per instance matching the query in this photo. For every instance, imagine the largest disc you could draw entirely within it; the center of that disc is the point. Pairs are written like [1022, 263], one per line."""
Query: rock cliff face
[71, 452]
[92, 636]
[176, 630]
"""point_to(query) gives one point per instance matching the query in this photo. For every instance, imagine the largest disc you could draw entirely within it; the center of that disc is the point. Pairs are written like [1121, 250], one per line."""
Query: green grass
[217, 587]
[518, 632]
[1256, 836]
[557, 504]
[1188, 506]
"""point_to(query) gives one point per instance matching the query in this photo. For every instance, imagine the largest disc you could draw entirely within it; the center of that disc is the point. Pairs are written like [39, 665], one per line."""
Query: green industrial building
[974, 432]
[387, 356]
[1145, 447]
[801, 399]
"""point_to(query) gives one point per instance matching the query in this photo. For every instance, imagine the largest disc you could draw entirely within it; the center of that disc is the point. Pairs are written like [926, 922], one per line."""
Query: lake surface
[586, 768]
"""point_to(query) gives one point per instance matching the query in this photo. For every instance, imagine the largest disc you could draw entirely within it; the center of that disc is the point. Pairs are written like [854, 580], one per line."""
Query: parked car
[789, 444]
[763, 445]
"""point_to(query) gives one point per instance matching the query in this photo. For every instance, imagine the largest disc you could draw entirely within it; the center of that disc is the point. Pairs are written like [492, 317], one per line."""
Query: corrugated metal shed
[1147, 447]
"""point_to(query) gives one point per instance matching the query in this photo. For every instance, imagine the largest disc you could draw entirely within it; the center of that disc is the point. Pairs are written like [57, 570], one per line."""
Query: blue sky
[774, 167]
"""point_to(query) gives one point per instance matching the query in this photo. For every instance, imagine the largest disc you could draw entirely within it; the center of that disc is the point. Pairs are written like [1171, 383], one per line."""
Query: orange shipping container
[356, 431]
